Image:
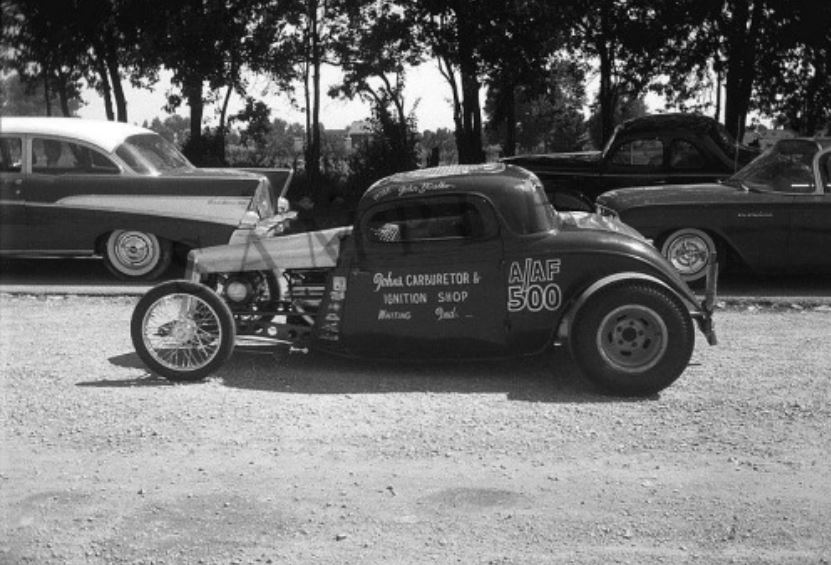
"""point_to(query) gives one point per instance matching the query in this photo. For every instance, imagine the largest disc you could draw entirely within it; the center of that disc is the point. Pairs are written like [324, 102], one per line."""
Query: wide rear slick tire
[182, 330]
[633, 339]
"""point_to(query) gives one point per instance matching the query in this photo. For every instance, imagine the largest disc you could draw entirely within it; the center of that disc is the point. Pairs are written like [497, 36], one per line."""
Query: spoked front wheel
[182, 330]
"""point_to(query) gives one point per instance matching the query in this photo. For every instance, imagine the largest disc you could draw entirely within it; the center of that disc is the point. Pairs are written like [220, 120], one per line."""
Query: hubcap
[135, 250]
[632, 338]
[689, 255]
[182, 332]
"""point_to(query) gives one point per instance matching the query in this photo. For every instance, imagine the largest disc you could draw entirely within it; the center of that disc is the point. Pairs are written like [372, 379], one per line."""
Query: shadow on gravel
[550, 378]
[127, 361]
[149, 380]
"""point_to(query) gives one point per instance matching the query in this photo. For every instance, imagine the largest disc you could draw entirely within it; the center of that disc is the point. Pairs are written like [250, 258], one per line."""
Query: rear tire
[182, 330]
[135, 255]
[633, 339]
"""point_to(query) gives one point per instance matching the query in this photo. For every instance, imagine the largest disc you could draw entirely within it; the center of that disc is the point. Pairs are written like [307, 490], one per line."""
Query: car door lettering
[531, 287]
[419, 289]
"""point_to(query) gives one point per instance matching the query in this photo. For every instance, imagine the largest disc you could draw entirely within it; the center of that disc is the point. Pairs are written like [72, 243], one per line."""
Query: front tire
[182, 330]
[633, 339]
[136, 255]
[690, 251]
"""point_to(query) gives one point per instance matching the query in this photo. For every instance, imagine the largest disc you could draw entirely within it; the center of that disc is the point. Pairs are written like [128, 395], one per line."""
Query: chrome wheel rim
[632, 338]
[134, 252]
[689, 255]
[182, 332]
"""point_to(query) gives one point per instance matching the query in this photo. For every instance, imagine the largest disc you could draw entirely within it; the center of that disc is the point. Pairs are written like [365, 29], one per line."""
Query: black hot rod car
[648, 150]
[453, 262]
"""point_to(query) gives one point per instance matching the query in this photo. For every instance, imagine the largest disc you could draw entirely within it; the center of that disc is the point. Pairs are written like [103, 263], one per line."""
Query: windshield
[725, 141]
[784, 168]
[151, 154]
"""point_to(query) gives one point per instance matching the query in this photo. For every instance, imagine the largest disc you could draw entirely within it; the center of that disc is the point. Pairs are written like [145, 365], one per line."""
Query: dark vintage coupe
[447, 263]
[649, 150]
[87, 187]
[773, 216]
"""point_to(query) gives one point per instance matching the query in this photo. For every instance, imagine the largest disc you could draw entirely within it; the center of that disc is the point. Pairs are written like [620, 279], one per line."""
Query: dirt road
[317, 460]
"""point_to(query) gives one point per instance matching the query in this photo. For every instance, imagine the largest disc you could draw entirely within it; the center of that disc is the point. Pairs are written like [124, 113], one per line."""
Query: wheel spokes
[182, 332]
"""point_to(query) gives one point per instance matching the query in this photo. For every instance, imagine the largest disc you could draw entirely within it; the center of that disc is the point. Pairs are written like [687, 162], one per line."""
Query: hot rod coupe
[452, 262]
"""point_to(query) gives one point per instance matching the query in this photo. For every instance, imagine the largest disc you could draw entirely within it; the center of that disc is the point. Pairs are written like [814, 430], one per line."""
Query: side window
[57, 157]
[684, 155]
[639, 153]
[793, 173]
[11, 155]
[423, 220]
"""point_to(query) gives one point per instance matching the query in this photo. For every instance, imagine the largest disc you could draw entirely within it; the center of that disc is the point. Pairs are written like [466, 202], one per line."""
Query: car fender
[576, 303]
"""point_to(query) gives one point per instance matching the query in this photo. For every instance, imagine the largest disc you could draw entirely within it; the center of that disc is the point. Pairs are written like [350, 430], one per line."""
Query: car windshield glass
[784, 168]
[151, 154]
[725, 141]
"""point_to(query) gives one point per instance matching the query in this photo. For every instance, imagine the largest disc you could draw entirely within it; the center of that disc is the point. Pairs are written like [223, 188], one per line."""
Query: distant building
[356, 134]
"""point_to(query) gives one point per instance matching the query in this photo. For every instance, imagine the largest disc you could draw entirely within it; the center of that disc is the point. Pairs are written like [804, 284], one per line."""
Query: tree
[451, 31]
[763, 51]
[373, 47]
[200, 42]
[44, 49]
[624, 37]
[18, 99]
[797, 78]
[545, 118]
[517, 55]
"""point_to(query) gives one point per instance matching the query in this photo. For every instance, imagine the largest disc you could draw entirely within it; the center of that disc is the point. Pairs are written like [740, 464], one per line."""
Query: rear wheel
[136, 255]
[690, 251]
[633, 339]
[182, 330]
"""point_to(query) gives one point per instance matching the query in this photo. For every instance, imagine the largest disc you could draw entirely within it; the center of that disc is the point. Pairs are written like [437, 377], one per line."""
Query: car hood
[556, 161]
[624, 198]
[576, 221]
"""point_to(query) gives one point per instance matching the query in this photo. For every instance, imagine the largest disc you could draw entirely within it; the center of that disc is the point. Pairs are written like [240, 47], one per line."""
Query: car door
[61, 170]
[427, 282]
[810, 239]
[12, 209]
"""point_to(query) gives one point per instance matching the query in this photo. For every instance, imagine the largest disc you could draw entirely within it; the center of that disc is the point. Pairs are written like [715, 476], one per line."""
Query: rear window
[151, 154]
[445, 218]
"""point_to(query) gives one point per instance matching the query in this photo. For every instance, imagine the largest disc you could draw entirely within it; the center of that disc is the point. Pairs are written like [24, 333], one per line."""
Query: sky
[425, 86]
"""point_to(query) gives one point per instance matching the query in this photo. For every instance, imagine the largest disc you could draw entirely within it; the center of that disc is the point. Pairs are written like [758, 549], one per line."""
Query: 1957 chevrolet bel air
[452, 262]
[92, 187]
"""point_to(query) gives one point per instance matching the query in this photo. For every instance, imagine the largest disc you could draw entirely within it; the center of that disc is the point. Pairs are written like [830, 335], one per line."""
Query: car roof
[504, 184]
[106, 135]
[673, 120]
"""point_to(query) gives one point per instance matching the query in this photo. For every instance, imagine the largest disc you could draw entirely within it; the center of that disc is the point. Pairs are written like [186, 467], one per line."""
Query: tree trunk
[105, 86]
[741, 59]
[510, 120]
[470, 150]
[46, 93]
[192, 90]
[118, 89]
[607, 95]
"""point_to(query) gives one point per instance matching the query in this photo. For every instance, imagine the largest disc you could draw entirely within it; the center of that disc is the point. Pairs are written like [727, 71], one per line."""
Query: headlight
[606, 211]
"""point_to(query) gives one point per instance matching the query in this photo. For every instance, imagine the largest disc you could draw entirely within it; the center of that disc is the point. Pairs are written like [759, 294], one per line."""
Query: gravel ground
[311, 459]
